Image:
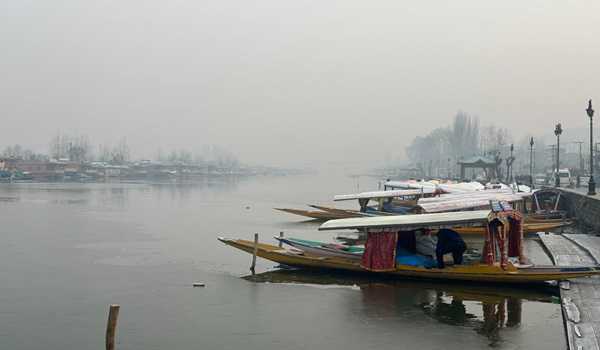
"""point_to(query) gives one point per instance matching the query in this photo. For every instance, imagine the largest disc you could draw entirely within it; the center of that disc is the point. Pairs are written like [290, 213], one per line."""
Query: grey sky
[290, 82]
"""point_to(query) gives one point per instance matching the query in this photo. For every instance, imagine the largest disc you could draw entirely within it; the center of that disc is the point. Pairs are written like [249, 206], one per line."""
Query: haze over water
[70, 250]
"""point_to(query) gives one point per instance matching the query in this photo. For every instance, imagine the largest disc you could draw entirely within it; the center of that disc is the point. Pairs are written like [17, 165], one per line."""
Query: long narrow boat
[319, 214]
[503, 257]
[349, 212]
[388, 203]
[396, 201]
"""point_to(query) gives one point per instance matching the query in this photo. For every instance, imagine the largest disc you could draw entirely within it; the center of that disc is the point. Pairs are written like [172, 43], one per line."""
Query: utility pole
[581, 166]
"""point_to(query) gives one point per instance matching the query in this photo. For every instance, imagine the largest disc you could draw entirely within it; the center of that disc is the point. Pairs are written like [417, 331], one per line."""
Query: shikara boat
[396, 202]
[317, 214]
[388, 203]
[533, 222]
[503, 260]
[349, 212]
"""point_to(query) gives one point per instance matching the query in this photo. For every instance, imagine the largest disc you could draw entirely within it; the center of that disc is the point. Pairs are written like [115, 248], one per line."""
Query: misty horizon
[291, 83]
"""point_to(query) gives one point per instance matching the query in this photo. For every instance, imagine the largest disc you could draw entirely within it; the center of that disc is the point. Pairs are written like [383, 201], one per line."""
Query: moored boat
[502, 260]
[319, 214]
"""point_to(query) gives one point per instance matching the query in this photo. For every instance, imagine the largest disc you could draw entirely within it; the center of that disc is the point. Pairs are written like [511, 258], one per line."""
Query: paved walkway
[580, 297]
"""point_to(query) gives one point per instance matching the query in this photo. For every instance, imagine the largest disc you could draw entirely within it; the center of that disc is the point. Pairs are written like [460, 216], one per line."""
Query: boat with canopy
[502, 258]
[387, 203]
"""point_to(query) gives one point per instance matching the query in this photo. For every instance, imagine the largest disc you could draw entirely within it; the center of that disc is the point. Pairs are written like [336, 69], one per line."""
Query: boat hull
[528, 227]
[476, 273]
[314, 214]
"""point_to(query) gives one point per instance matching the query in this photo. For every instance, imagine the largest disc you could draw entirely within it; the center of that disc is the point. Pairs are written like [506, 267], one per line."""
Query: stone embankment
[583, 207]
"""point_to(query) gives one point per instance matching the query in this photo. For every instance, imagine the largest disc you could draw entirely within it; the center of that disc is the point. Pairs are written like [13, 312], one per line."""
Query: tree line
[78, 148]
[443, 147]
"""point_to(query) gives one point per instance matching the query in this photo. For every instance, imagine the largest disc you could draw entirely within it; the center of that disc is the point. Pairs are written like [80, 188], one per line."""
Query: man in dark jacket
[449, 241]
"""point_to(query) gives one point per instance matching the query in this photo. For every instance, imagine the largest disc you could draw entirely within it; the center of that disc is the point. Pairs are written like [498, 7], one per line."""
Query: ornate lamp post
[531, 163]
[591, 182]
[557, 132]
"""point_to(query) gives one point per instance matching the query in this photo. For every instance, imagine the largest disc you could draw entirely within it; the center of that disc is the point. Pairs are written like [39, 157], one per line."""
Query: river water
[70, 250]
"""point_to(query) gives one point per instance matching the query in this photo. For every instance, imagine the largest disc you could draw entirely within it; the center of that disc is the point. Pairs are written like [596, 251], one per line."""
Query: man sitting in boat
[426, 242]
[449, 241]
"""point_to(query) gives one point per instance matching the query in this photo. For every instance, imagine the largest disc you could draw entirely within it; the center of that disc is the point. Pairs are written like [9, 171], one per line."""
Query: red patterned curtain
[515, 237]
[380, 251]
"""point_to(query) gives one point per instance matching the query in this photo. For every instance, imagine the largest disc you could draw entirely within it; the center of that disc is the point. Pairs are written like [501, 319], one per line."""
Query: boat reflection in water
[485, 308]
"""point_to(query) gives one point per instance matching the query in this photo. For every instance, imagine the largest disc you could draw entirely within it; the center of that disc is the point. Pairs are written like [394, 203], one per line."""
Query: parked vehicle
[565, 178]
[540, 179]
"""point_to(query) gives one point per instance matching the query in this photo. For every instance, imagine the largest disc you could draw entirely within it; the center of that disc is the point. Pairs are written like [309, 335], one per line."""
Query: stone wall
[585, 208]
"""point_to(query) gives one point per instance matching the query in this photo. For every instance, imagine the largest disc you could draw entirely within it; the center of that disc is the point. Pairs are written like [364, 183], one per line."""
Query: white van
[565, 178]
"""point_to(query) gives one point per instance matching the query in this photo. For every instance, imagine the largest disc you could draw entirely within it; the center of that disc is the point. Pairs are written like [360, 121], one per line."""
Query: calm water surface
[69, 250]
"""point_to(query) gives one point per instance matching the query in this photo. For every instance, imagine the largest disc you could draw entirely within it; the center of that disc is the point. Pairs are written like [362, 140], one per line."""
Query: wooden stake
[111, 326]
[254, 253]
[280, 242]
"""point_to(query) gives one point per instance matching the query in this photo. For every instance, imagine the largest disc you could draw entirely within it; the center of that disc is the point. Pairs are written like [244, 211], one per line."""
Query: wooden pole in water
[254, 253]
[111, 326]
[280, 242]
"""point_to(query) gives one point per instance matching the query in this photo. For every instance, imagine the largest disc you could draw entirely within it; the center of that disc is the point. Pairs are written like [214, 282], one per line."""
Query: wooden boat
[503, 240]
[318, 214]
[349, 212]
[324, 249]
[396, 201]
[385, 205]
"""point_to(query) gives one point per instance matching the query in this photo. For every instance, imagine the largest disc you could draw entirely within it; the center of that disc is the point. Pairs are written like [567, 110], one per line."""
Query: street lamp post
[591, 182]
[512, 159]
[557, 131]
[531, 163]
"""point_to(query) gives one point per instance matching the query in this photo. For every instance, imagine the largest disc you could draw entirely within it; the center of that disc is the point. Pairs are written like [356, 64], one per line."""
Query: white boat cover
[383, 194]
[446, 187]
[499, 195]
[412, 222]
[410, 184]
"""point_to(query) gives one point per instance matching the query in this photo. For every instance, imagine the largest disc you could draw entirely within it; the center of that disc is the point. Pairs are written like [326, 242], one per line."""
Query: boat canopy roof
[383, 194]
[494, 194]
[412, 222]
[460, 187]
[410, 184]
[465, 202]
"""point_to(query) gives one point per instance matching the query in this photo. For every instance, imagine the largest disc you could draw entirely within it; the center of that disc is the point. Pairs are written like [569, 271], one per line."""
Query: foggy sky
[291, 82]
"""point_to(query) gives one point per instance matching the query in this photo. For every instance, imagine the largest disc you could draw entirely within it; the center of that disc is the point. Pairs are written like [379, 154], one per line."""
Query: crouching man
[449, 241]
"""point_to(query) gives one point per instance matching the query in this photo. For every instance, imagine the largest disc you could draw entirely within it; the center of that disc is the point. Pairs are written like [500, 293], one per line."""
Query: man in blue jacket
[449, 241]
